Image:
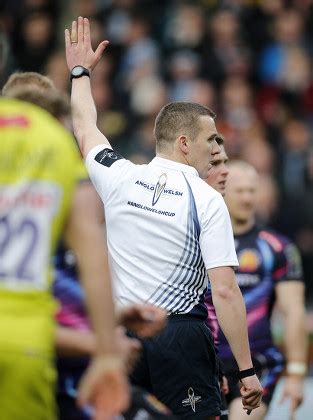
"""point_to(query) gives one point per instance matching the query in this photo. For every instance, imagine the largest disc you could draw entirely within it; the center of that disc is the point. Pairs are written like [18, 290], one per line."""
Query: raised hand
[78, 46]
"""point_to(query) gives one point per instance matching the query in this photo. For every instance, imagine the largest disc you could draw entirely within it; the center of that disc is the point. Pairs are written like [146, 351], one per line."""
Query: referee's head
[178, 118]
[185, 132]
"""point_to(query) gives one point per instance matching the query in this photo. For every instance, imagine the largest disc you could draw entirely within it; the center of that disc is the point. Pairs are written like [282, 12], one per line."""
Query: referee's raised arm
[104, 383]
[81, 60]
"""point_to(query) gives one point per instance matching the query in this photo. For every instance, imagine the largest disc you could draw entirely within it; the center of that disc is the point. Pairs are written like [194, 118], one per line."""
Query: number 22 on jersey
[26, 216]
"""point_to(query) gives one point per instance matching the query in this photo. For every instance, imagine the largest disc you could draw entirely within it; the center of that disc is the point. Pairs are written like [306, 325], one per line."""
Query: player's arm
[142, 319]
[74, 343]
[290, 302]
[231, 314]
[84, 235]
[83, 106]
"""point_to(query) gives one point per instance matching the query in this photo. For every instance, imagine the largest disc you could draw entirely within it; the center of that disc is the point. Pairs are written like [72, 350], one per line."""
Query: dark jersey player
[269, 273]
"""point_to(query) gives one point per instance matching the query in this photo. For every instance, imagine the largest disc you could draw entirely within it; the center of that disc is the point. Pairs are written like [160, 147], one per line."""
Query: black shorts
[179, 367]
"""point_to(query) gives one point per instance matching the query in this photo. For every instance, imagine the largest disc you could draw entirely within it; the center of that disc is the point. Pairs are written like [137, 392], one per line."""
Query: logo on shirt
[192, 399]
[107, 157]
[293, 262]
[249, 260]
[159, 188]
[149, 187]
[246, 279]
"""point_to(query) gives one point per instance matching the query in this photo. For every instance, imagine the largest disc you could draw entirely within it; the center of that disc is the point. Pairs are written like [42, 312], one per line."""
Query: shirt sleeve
[288, 264]
[107, 169]
[216, 237]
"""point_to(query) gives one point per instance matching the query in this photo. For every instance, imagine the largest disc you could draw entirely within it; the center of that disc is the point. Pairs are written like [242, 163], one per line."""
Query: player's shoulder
[278, 241]
[286, 252]
[9, 105]
[12, 110]
[39, 125]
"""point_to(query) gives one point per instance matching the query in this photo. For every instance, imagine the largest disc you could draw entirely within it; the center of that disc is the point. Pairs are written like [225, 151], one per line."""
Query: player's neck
[242, 226]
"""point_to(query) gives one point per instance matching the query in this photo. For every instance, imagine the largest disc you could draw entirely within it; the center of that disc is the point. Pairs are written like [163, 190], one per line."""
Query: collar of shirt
[176, 166]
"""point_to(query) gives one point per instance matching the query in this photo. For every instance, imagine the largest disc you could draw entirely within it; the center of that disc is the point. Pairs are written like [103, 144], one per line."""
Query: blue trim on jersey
[192, 276]
[270, 374]
[200, 270]
[179, 264]
[67, 288]
[267, 255]
[193, 209]
[258, 294]
[190, 271]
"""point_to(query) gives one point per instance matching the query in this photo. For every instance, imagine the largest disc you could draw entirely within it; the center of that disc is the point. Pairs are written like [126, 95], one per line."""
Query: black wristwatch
[79, 71]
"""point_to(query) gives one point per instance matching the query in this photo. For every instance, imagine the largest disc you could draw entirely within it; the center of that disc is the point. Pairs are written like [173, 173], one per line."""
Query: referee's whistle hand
[251, 393]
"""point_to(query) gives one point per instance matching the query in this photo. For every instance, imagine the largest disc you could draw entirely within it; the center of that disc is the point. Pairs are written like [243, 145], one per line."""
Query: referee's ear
[183, 143]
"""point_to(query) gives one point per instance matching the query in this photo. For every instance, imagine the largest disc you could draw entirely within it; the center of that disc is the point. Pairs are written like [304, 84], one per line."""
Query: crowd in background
[250, 61]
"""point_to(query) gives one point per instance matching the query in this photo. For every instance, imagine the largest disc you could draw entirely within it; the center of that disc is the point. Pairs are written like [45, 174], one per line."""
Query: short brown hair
[39, 90]
[19, 79]
[178, 118]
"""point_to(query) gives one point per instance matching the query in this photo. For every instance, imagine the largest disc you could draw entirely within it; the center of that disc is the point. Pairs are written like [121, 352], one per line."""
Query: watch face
[77, 71]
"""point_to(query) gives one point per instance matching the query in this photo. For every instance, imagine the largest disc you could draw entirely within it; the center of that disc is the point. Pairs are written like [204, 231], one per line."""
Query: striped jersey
[266, 258]
[165, 228]
[68, 291]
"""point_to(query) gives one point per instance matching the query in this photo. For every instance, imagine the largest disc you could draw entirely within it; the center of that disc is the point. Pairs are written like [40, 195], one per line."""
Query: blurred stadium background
[251, 61]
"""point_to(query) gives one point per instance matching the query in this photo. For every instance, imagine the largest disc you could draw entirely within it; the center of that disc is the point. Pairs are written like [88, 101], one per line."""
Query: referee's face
[203, 149]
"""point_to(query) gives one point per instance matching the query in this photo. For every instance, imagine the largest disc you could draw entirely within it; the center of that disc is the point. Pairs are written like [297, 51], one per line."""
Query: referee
[167, 231]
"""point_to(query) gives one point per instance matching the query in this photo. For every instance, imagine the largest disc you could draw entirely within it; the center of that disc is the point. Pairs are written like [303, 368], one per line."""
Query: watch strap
[85, 72]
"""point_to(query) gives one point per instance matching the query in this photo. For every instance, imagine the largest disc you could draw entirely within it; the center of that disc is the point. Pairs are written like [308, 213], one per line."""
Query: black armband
[245, 373]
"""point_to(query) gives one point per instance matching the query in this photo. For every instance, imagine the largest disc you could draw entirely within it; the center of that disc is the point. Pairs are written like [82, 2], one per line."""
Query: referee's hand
[251, 393]
[142, 319]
